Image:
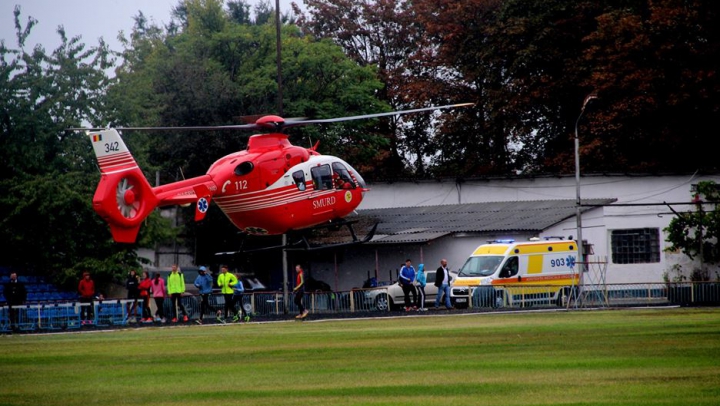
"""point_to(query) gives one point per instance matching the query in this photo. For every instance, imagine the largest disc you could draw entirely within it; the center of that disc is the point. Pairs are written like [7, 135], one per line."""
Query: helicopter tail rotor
[123, 198]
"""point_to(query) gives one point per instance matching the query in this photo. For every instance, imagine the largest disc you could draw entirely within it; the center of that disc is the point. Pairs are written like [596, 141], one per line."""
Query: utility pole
[578, 201]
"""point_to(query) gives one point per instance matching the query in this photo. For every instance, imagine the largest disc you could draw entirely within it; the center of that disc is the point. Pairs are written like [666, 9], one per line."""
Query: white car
[378, 299]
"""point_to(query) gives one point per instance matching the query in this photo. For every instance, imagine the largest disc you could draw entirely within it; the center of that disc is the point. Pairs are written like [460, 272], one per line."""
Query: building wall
[644, 195]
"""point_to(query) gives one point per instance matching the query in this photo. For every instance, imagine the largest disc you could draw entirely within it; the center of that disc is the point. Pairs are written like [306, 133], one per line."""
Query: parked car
[394, 299]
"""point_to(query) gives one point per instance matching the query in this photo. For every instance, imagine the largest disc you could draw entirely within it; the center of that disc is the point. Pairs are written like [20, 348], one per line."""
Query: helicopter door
[341, 177]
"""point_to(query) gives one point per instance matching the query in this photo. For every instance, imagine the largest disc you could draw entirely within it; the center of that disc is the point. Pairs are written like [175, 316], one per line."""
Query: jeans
[444, 289]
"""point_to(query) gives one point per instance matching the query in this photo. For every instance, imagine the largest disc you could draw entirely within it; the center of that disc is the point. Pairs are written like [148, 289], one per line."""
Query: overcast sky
[91, 19]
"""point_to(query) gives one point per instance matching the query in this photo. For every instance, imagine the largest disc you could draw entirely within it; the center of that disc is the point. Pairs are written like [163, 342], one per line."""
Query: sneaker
[220, 319]
[147, 320]
[414, 308]
[247, 318]
[198, 321]
[304, 314]
[185, 318]
[174, 320]
[163, 320]
[299, 316]
[157, 318]
[235, 318]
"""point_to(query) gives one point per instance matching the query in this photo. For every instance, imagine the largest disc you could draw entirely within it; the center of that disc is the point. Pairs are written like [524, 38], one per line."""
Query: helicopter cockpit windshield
[341, 177]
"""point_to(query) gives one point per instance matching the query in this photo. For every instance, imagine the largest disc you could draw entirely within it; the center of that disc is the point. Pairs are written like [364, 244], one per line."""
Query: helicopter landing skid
[303, 244]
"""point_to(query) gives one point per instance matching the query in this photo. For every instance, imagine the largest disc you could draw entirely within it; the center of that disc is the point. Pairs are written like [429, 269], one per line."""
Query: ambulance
[518, 274]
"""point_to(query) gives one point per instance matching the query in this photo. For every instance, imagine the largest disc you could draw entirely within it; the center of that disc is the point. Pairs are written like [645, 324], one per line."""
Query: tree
[48, 174]
[656, 68]
[696, 234]
[384, 35]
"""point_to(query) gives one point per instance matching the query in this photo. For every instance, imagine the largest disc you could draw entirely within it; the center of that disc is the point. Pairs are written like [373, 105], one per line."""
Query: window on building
[635, 246]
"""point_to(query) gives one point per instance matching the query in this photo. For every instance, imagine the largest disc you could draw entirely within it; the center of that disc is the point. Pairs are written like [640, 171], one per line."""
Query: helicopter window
[341, 177]
[299, 178]
[322, 177]
[244, 168]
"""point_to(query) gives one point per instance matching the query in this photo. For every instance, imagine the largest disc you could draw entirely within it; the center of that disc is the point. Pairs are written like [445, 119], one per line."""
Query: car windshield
[480, 266]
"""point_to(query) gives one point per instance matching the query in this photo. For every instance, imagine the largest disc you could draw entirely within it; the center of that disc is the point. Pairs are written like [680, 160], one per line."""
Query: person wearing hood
[204, 283]
[421, 280]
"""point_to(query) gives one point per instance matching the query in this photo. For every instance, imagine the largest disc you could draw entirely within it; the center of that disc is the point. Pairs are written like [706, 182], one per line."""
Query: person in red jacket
[86, 289]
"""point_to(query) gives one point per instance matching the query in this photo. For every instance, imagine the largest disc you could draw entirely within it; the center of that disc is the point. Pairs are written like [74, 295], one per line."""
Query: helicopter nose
[359, 178]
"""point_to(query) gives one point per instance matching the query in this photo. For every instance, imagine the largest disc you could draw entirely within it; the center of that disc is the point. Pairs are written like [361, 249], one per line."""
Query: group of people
[143, 288]
[413, 284]
[158, 289]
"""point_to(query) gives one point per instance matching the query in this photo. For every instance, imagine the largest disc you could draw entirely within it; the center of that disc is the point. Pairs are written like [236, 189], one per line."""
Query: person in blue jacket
[204, 283]
[421, 282]
[407, 279]
[238, 291]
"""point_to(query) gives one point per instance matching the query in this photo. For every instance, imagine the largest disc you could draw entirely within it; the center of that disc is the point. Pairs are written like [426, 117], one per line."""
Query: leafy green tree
[47, 174]
[696, 234]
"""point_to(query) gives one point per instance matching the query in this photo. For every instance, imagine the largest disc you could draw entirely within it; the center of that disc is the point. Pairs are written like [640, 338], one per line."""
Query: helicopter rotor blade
[190, 128]
[276, 123]
[294, 123]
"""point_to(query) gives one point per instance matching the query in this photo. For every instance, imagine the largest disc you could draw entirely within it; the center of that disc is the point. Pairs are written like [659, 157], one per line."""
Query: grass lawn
[609, 357]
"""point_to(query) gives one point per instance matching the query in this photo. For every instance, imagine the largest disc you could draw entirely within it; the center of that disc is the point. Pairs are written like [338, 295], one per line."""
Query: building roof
[425, 223]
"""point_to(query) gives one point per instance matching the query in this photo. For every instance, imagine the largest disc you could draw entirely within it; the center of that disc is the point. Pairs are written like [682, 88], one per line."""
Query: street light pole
[578, 201]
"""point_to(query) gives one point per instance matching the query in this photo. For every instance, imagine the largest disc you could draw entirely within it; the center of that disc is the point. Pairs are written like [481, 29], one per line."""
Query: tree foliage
[48, 174]
[528, 66]
[696, 234]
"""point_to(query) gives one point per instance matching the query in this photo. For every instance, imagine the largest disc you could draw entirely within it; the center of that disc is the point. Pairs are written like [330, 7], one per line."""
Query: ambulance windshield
[480, 266]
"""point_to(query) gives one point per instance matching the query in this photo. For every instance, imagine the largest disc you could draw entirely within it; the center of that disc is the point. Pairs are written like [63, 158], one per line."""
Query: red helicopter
[270, 188]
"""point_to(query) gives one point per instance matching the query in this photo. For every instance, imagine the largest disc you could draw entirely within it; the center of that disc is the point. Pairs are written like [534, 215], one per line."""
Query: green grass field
[612, 357]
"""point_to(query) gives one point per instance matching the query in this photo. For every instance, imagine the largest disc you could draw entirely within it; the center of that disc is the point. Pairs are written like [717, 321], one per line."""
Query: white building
[627, 234]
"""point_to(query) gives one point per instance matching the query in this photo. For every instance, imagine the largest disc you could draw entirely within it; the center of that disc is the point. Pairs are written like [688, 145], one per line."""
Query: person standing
[86, 290]
[299, 292]
[406, 280]
[204, 283]
[15, 295]
[159, 292]
[133, 293]
[226, 281]
[144, 288]
[421, 282]
[442, 281]
[238, 291]
[175, 288]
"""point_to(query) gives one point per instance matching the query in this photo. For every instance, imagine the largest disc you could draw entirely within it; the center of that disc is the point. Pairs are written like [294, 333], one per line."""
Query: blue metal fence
[66, 315]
